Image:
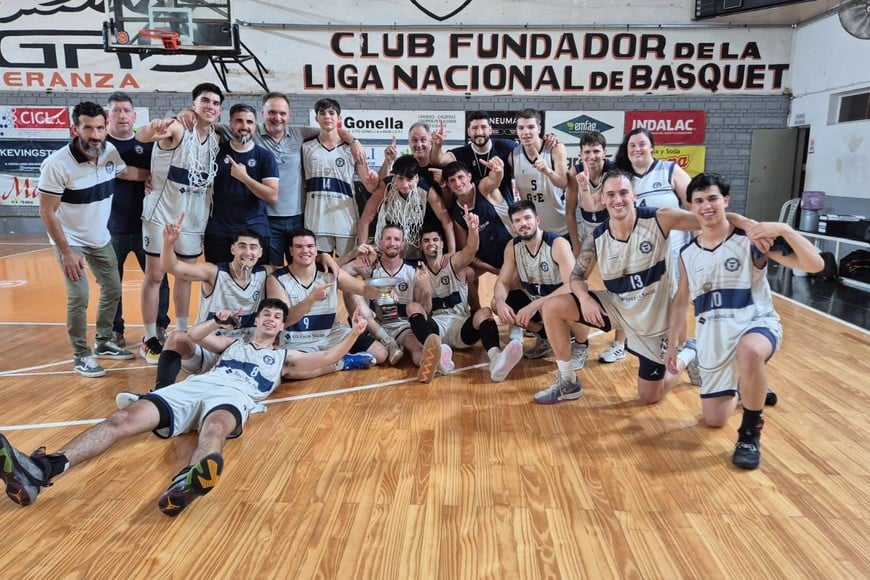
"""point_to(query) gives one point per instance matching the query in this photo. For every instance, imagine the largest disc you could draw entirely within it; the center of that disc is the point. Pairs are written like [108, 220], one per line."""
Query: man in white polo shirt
[76, 184]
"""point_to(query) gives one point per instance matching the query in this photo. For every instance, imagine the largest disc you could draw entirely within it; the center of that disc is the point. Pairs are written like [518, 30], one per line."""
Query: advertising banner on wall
[569, 127]
[689, 157]
[18, 190]
[25, 155]
[59, 47]
[687, 127]
[22, 122]
[376, 128]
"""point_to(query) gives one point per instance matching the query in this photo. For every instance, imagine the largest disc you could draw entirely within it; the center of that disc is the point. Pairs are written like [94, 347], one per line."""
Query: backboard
[201, 26]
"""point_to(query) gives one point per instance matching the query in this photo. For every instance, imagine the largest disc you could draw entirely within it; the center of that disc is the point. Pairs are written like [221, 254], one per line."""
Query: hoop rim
[158, 33]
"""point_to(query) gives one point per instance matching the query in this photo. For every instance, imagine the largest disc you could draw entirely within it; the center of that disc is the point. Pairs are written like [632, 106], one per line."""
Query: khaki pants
[104, 265]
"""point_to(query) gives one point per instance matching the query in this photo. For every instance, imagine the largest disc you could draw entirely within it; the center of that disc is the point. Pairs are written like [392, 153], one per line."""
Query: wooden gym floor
[367, 474]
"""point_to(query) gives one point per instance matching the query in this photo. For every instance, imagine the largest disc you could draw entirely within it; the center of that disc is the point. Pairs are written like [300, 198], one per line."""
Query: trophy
[386, 308]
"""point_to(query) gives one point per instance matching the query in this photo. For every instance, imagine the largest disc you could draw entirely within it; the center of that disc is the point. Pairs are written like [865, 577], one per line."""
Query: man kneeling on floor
[216, 404]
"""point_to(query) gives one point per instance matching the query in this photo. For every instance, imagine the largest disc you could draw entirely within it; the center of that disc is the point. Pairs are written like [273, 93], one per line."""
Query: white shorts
[724, 379]
[450, 329]
[188, 245]
[341, 246]
[397, 328]
[190, 401]
[651, 347]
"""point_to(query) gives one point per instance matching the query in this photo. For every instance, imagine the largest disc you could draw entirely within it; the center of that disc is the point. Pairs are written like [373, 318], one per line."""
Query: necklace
[480, 169]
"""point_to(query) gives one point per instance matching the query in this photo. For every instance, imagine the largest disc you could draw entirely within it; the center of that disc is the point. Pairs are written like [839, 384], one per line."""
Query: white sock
[566, 371]
[516, 333]
[150, 330]
[687, 355]
[181, 322]
[382, 335]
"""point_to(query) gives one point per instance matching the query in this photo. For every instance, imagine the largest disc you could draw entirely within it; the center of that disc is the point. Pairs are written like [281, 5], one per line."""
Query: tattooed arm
[586, 260]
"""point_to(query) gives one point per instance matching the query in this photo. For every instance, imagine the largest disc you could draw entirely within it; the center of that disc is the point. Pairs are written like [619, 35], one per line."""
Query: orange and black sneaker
[190, 483]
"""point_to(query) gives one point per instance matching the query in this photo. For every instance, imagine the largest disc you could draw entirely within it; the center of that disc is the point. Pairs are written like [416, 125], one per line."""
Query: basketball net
[407, 215]
[201, 158]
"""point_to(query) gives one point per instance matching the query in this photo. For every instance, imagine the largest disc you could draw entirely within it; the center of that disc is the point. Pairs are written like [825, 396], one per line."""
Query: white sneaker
[394, 351]
[612, 353]
[540, 350]
[504, 362]
[125, 398]
[579, 354]
[446, 365]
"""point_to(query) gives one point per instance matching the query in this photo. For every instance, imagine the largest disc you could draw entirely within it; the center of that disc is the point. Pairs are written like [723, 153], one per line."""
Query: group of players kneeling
[244, 345]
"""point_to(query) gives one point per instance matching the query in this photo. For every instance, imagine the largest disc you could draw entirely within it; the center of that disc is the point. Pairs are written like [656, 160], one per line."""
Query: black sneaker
[770, 399]
[191, 483]
[22, 475]
[747, 452]
[111, 350]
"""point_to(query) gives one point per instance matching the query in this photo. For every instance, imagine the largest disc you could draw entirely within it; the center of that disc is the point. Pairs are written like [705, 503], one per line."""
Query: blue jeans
[280, 229]
[123, 244]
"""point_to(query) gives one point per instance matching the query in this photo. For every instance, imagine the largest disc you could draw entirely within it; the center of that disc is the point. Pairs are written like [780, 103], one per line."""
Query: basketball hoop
[169, 38]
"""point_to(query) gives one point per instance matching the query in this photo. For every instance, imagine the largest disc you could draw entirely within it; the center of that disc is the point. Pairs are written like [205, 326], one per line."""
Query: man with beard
[481, 147]
[245, 184]
[457, 326]
[411, 328]
[76, 184]
[536, 264]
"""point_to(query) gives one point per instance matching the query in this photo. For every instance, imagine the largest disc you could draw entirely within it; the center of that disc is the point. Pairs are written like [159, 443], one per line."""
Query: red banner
[670, 127]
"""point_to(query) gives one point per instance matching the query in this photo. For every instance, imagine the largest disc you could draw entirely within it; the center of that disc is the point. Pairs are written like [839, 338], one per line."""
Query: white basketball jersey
[171, 192]
[449, 293]
[317, 324]
[730, 295]
[330, 207]
[251, 370]
[538, 272]
[634, 272]
[653, 188]
[535, 186]
[407, 273]
[227, 294]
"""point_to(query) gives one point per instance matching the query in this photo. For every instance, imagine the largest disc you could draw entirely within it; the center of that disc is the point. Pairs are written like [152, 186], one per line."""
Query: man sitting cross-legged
[215, 404]
[409, 329]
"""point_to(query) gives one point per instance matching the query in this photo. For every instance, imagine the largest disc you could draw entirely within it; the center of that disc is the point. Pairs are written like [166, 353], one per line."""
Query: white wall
[827, 61]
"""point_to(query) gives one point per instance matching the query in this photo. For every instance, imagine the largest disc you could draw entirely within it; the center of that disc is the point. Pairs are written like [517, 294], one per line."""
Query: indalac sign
[670, 127]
